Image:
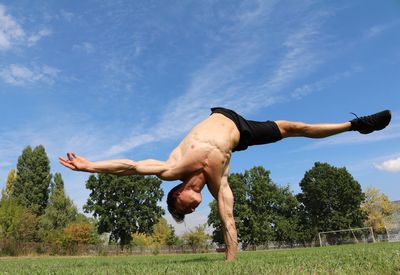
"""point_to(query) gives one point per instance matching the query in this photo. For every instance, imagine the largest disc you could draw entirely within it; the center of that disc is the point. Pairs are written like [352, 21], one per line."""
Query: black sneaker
[368, 124]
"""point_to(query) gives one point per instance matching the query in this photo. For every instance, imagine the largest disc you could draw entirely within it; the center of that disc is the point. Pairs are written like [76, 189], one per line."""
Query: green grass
[382, 258]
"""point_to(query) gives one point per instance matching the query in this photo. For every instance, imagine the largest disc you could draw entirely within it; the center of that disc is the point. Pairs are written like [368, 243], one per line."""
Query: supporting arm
[225, 208]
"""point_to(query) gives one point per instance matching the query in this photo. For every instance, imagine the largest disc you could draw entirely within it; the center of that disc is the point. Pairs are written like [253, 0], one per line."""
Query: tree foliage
[377, 206]
[331, 199]
[17, 223]
[79, 233]
[124, 205]
[60, 210]
[31, 185]
[161, 232]
[172, 239]
[141, 239]
[10, 182]
[263, 211]
[197, 237]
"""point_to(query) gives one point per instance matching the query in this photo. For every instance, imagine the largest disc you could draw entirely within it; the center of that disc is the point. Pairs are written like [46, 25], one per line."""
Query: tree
[10, 182]
[124, 205]
[377, 206]
[263, 211]
[285, 215]
[79, 233]
[141, 239]
[172, 239]
[196, 238]
[31, 185]
[261, 191]
[331, 198]
[16, 222]
[60, 210]
[161, 231]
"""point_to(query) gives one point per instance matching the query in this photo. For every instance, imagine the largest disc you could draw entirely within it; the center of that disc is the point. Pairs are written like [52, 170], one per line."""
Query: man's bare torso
[206, 150]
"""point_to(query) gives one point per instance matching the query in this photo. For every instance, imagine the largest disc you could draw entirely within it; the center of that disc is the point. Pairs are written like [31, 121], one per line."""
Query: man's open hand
[75, 162]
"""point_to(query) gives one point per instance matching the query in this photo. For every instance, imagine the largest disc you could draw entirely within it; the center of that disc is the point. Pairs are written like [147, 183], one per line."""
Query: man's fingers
[63, 159]
[73, 154]
[67, 164]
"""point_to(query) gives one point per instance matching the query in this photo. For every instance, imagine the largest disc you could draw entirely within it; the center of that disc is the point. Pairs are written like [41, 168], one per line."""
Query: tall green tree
[263, 211]
[331, 199]
[31, 185]
[261, 191]
[124, 205]
[60, 210]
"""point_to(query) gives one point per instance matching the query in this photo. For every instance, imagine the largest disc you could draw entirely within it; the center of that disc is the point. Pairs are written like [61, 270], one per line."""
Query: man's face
[187, 201]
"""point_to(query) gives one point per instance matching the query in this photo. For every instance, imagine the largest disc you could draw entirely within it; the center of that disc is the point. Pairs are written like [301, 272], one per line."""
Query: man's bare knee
[291, 129]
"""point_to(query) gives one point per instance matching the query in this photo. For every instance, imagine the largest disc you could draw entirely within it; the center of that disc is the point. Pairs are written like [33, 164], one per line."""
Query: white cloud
[320, 85]
[85, 47]
[19, 75]
[10, 30]
[12, 33]
[391, 165]
[378, 29]
[35, 37]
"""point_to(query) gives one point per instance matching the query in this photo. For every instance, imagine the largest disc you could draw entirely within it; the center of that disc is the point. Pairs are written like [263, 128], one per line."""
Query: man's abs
[209, 143]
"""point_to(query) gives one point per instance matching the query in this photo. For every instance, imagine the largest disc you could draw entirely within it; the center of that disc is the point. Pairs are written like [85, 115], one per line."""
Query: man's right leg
[301, 129]
[364, 125]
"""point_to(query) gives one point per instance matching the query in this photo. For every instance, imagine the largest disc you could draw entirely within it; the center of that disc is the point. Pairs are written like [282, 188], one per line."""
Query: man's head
[182, 201]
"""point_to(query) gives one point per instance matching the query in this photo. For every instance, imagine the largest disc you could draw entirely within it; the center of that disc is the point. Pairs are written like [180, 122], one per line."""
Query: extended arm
[225, 209]
[120, 167]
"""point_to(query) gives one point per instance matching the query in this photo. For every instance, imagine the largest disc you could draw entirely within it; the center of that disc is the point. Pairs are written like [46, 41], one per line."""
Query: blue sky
[128, 79]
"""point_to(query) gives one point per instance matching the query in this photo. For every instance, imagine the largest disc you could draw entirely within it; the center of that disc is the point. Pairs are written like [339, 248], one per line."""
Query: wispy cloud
[19, 75]
[391, 165]
[322, 84]
[12, 33]
[85, 47]
[379, 29]
[32, 39]
[221, 81]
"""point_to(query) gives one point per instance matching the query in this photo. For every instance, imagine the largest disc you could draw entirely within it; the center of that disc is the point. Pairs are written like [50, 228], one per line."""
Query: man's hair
[171, 201]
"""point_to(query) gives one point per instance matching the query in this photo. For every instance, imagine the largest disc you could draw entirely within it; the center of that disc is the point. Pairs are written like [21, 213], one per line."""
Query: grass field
[382, 258]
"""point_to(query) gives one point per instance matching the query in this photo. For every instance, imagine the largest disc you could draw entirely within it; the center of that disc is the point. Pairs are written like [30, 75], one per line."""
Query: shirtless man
[202, 158]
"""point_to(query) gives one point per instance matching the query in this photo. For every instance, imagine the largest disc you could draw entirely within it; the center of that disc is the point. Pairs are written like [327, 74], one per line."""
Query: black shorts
[251, 132]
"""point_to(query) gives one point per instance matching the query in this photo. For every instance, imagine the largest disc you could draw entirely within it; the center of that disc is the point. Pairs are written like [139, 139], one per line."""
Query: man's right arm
[225, 209]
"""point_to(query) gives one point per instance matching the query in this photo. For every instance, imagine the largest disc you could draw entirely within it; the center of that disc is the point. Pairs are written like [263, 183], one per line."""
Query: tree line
[35, 208]
[330, 199]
